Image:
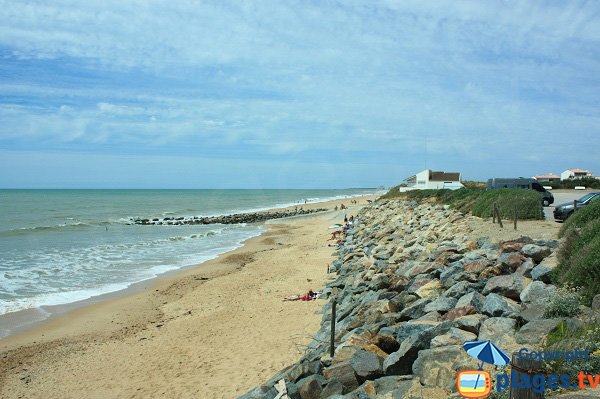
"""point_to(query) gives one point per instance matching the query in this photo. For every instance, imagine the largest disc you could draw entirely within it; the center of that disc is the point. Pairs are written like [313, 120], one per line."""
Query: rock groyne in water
[412, 286]
[250, 217]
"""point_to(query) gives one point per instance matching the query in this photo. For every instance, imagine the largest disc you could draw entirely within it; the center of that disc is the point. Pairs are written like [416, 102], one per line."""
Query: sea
[63, 246]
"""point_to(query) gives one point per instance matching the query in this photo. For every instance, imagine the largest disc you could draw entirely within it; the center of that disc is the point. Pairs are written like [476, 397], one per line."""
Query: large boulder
[430, 290]
[344, 374]
[459, 312]
[442, 304]
[414, 310]
[498, 306]
[311, 387]
[399, 362]
[474, 299]
[535, 331]
[438, 366]
[454, 336]
[470, 323]
[536, 252]
[509, 286]
[366, 365]
[542, 272]
[538, 293]
[501, 331]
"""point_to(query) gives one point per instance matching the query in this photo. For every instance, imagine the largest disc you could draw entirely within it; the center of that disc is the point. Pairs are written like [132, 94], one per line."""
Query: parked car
[563, 211]
[522, 183]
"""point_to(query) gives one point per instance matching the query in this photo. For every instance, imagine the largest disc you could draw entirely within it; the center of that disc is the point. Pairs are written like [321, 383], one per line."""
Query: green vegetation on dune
[579, 256]
[589, 182]
[581, 217]
[480, 202]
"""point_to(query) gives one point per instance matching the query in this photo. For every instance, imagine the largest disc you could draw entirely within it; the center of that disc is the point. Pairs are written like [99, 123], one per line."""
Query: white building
[575, 174]
[431, 180]
[548, 177]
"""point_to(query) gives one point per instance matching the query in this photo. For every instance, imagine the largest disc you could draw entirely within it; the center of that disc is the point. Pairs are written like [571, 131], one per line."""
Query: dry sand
[212, 331]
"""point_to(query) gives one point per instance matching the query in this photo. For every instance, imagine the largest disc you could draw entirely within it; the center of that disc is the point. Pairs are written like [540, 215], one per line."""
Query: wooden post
[498, 215]
[523, 369]
[515, 216]
[574, 205]
[494, 213]
[332, 343]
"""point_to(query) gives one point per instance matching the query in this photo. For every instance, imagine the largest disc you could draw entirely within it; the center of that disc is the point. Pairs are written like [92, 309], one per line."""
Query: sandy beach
[211, 331]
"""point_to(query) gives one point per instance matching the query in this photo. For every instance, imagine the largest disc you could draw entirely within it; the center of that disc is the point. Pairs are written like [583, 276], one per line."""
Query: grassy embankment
[480, 202]
[579, 256]
[578, 274]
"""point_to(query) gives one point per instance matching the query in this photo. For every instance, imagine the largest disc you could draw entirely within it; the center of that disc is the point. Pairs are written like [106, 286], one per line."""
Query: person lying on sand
[309, 296]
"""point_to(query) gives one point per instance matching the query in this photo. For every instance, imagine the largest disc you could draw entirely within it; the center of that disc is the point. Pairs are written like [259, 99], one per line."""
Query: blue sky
[286, 94]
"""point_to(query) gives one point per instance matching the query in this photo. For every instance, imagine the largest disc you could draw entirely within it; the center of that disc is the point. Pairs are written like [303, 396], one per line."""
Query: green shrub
[589, 182]
[581, 217]
[581, 267]
[527, 202]
[563, 338]
[565, 303]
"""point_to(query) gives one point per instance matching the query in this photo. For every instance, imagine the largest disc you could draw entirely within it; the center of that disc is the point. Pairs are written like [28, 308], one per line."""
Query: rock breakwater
[411, 286]
[250, 217]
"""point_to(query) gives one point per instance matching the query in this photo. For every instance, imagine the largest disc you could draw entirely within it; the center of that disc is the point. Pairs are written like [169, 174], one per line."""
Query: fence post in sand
[515, 216]
[524, 369]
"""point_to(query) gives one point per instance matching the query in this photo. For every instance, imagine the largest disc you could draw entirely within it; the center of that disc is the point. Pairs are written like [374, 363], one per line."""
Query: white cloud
[391, 77]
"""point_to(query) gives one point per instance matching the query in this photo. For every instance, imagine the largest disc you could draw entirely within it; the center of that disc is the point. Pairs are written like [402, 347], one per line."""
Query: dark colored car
[563, 211]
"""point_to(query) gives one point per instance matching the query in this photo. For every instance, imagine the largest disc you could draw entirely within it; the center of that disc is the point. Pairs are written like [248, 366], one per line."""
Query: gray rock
[510, 260]
[411, 388]
[344, 373]
[441, 304]
[536, 252]
[531, 312]
[535, 331]
[501, 330]
[437, 366]
[415, 310]
[542, 272]
[332, 389]
[538, 293]
[509, 286]
[457, 290]
[366, 365]
[260, 392]
[407, 329]
[470, 323]
[311, 386]
[526, 268]
[454, 336]
[499, 306]
[302, 369]
[474, 299]
[398, 363]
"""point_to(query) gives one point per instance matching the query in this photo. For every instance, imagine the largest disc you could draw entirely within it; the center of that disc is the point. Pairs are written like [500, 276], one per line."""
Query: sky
[294, 94]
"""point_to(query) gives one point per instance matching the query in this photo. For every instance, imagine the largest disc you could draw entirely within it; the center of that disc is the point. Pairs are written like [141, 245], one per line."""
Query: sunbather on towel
[309, 296]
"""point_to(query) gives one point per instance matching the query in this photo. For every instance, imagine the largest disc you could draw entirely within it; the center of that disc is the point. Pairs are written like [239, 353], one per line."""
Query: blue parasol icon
[486, 351]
